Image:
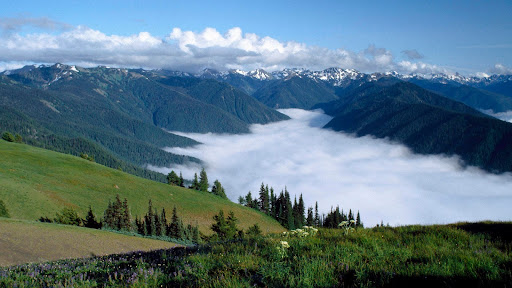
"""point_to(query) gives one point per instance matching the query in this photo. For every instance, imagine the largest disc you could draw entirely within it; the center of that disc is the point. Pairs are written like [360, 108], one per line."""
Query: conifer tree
[218, 190]
[301, 210]
[358, 220]
[263, 203]
[195, 183]
[173, 179]
[317, 217]
[350, 215]
[289, 211]
[273, 200]
[203, 181]
[182, 181]
[108, 218]
[149, 220]
[126, 216]
[90, 220]
[310, 221]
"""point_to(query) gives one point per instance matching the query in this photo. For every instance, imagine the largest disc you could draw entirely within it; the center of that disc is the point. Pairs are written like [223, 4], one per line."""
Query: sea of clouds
[383, 180]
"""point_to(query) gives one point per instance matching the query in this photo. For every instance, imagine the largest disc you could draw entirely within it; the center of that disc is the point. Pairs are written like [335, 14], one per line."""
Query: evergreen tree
[301, 209]
[90, 220]
[195, 183]
[163, 219]
[203, 181]
[254, 231]
[264, 198]
[350, 215]
[273, 203]
[358, 220]
[290, 221]
[218, 190]
[241, 200]
[173, 179]
[126, 217]
[149, 220]
[176, 226]
[310, 221]
[220, 227]
[139, 224]
[182, 181]
[108, 216]
[317, 217]
[158, 224]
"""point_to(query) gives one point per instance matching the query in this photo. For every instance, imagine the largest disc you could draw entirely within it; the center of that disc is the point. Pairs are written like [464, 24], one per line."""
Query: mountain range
[123, 116]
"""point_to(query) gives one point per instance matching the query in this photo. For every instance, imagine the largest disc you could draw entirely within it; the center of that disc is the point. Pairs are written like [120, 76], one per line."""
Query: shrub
[3, 210]
[68, 216]
[7, 136]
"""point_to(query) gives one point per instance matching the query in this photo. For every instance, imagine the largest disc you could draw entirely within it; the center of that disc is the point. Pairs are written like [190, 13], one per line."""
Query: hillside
[474, 97]
[26, 241]
[35, 182]
[122, 111]
[294, 92]
[425, 122]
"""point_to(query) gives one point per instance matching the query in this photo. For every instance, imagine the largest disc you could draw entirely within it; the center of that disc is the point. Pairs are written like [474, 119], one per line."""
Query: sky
[469, 37]
[383, 180]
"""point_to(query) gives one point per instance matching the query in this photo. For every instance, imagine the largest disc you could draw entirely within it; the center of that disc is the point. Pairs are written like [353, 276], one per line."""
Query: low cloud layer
[382, 180]
[183, 50]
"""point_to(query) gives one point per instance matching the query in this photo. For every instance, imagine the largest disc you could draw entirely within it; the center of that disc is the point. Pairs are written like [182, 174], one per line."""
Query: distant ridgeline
[118, 116]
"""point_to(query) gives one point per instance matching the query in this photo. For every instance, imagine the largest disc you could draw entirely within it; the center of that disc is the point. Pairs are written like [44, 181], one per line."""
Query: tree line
[117, 217]
[293, 215]
[198, 183]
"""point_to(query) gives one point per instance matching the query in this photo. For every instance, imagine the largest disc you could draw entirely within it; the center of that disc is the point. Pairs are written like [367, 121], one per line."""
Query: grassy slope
[36, 182]
[25, 241]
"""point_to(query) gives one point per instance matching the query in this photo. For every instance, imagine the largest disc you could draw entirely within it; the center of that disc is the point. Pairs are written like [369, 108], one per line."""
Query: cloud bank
[382, 180]
[183, 50]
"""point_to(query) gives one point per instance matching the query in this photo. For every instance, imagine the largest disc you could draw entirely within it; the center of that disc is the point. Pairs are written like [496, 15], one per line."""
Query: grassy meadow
[36, 182]
[24, 241]
[410, 256]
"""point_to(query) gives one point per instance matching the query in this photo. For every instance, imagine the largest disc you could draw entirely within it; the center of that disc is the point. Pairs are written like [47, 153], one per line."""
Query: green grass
[36, 182]
[24, 241]
[409, 256]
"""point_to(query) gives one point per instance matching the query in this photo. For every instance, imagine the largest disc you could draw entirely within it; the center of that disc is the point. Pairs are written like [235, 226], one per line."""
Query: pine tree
[108, 216]
[310, 221]
[301, 210]
[350, 215]
[149, 220]
[173, 179]
[218, 190]
[289, 211]
[195, 183]
[358, 220]
[203, 181]
[317, 217]
[126, 216]
[182, 181]
[273, 203]
[90, 220]
[163, 219]
[248, 200]
[263, 203]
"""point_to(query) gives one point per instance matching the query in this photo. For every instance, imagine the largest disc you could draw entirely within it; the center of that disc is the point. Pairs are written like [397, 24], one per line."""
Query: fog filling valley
[383, 180]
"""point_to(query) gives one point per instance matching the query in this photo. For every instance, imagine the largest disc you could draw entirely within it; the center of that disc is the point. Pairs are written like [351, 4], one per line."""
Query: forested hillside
[425, 122]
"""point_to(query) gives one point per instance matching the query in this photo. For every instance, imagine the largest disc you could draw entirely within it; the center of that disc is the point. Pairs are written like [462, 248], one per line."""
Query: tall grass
[411, 256]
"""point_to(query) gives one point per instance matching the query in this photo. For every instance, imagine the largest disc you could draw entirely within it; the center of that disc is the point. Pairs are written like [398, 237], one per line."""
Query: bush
[68, 216]
[7, 136]
[3, 210]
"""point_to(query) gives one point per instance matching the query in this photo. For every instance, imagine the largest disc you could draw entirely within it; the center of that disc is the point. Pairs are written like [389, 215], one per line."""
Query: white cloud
[500, 69]
[383, 180]
[182, 50]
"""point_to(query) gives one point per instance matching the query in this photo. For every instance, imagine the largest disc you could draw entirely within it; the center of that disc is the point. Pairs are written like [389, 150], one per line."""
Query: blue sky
[441, 36]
